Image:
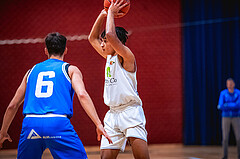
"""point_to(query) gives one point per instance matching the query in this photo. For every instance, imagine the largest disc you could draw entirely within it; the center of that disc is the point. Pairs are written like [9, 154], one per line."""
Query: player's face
[106, 46]
[230, 84]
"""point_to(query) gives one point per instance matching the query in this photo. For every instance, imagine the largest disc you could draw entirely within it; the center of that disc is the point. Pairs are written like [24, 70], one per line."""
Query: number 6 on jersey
[48, 84]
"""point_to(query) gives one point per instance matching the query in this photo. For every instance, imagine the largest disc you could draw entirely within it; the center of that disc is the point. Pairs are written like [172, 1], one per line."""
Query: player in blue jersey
[229, 104]
[47, 91]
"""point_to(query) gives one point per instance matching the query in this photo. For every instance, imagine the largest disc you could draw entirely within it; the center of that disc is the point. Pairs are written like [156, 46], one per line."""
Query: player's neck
[231, 90]
[56, 57]
[114, 54]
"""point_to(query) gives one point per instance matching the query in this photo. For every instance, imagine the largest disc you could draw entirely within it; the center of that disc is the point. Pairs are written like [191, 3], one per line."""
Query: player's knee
[107, 157]
[109, 154]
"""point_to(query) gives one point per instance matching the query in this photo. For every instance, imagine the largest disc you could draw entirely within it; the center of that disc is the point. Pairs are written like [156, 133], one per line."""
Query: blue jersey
[49, 89]
[229, 103]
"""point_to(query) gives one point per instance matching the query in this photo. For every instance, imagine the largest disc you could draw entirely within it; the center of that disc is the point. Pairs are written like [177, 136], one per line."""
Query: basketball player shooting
[125, 121]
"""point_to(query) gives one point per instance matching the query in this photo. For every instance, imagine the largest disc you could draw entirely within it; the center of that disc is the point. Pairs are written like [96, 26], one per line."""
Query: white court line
[21, 41]
[40, 40]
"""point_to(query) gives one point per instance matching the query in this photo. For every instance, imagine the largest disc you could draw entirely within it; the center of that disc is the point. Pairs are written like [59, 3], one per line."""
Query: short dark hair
[121, 34]
[55, 43]
[230, 79]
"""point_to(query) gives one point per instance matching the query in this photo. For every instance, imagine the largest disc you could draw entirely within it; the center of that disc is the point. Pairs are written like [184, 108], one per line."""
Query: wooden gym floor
[161, 151]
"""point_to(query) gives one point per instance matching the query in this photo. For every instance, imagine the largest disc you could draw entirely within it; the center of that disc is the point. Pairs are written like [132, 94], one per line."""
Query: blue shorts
[55, 133]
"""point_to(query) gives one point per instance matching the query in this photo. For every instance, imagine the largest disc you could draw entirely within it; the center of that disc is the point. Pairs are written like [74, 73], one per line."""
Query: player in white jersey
[125, 121]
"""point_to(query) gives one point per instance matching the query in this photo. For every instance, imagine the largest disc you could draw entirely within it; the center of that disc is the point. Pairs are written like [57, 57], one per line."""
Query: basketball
[124, 10]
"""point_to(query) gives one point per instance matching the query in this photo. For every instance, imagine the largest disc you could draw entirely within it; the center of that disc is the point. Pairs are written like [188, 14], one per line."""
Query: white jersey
[120, 86]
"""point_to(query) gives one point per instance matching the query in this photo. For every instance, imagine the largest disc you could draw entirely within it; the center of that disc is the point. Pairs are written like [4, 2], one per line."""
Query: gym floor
[160, 151]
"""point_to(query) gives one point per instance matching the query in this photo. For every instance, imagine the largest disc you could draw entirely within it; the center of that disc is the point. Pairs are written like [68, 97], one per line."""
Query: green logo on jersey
[108, 72]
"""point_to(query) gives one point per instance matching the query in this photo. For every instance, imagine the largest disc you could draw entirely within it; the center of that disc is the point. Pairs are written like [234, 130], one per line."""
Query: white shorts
[121, 124]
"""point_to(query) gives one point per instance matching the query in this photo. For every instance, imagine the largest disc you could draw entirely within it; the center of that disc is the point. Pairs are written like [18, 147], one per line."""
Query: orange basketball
[124, 10]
